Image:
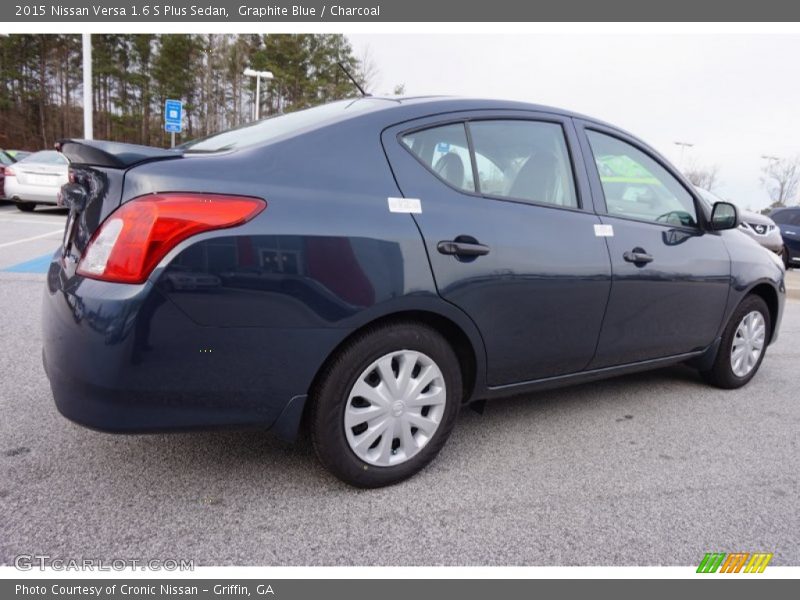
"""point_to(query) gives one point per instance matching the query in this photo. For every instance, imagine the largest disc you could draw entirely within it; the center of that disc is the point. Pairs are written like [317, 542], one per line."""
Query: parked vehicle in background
[37, 179]
[18, 154]
[6, 160]
[759, 227]
[788, 219]
[381, 263]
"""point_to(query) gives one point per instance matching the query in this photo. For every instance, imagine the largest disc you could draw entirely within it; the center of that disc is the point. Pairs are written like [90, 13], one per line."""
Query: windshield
[279, 126]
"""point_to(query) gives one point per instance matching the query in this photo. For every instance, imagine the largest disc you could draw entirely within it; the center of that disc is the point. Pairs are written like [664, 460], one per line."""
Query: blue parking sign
[173, 116]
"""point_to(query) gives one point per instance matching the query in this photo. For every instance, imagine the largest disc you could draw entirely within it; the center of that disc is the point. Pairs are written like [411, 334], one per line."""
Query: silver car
[759, 227]
[37, 179]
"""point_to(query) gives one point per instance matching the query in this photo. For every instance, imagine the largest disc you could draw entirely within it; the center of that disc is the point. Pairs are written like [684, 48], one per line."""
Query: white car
[37, 179]
[759, 227]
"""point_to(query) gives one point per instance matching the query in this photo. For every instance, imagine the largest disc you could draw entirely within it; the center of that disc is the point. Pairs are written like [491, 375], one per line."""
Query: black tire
[26, 206]
[331, 391]
[785, 257]
[721, 373]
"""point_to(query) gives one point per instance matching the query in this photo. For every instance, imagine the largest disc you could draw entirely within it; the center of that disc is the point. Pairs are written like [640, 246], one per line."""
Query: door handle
[462, 248]
[637, 256]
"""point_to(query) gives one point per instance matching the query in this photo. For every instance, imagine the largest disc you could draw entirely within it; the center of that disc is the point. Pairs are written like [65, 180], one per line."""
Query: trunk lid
[96, 178]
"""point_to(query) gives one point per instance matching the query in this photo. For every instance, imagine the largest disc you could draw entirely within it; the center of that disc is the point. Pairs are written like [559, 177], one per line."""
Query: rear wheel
[743, 345]
[26, 206]
[385, 404]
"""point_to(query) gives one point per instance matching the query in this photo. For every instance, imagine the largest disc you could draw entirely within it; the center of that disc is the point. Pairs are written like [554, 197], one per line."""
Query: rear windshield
[48, 157]
[279, 126]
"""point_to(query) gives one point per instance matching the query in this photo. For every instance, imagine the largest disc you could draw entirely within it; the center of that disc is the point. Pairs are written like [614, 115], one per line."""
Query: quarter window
[445, 151]
[637, 187]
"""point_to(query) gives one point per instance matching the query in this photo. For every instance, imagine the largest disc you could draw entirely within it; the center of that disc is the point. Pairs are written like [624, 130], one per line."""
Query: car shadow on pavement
[237, 452]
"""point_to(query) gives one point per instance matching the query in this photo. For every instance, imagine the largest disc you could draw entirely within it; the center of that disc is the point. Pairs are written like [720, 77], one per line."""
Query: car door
[671, 276]
[510, 233]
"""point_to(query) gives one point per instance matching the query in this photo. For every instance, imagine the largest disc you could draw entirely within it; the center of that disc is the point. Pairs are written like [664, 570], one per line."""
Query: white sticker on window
[604, 230]
[405, 205]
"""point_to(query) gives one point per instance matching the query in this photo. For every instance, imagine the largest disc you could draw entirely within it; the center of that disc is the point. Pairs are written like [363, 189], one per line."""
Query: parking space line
[32, 238]
[31, 221]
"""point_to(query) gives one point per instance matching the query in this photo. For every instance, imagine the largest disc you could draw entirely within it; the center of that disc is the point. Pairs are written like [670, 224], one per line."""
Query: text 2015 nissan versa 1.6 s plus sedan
[377, 264]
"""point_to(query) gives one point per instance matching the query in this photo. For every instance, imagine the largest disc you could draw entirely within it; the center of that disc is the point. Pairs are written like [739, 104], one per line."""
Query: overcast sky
[735, 97]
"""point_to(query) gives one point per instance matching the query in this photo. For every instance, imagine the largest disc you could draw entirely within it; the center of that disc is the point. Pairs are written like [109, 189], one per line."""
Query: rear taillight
[135, 237]
[9, 172]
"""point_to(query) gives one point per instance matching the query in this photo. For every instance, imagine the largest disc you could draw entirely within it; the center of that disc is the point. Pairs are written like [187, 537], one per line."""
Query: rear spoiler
[115, 155]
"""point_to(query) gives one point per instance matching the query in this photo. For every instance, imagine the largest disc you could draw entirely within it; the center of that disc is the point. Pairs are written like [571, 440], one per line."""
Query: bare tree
[780, 177]
[705, 177]
[367, 74]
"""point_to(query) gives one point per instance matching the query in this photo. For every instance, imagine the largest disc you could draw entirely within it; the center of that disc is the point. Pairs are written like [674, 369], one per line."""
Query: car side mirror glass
[724, 216]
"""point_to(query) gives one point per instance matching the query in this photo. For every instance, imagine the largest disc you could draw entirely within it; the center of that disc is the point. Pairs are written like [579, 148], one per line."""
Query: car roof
[424, 105]
[380, 112]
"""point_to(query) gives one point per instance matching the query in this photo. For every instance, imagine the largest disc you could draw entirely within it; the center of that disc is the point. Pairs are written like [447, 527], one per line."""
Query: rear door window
[523, 160]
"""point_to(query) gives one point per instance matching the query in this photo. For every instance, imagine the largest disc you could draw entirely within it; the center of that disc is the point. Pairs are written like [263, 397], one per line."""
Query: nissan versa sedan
[383, 262]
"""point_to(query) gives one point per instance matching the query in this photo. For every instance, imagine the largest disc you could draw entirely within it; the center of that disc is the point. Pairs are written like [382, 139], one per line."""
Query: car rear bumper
[124, 358]
[31, 193]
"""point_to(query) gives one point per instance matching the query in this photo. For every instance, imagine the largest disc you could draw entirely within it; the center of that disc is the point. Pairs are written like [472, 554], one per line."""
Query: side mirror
[724, 216]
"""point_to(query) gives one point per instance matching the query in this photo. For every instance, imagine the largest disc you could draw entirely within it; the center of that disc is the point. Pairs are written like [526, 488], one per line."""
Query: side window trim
[584, 194]
[473, 159]
[598, 193]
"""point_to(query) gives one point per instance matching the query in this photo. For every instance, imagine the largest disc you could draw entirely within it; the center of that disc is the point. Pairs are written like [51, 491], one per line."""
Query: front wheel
[743, 345]
[385, 404]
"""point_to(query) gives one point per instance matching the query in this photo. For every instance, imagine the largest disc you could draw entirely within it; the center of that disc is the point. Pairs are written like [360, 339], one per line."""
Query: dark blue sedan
[788, 220]
[370, 266]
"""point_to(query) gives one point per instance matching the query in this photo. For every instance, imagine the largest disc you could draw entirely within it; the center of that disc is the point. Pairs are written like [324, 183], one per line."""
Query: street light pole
[683, 146]
[258, 75]
[88, 126]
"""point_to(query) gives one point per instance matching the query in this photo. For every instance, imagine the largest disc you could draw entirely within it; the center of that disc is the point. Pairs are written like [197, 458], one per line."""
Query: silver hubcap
[748, 343]
[394, 408]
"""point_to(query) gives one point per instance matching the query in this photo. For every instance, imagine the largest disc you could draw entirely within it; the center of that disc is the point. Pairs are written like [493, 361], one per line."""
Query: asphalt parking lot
[649, 469]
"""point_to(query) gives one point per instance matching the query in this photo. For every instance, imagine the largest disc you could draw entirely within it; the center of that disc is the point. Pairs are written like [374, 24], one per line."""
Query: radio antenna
[353, 79]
